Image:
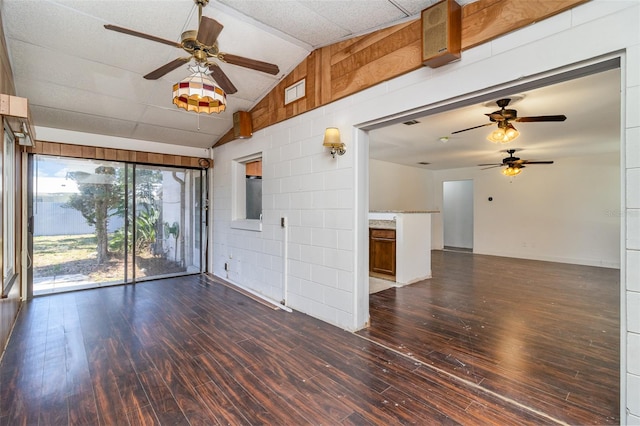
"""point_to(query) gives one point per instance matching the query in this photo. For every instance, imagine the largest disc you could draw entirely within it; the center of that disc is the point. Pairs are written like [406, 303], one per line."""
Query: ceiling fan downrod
[201, 4]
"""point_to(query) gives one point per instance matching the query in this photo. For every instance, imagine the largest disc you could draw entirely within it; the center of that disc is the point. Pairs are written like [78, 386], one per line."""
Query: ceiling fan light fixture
[505, 133]
[199, 93]
[511, 171]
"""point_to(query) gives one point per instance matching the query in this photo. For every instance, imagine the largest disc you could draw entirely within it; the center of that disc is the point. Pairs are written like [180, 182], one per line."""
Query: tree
[148, 199]
[98, 197]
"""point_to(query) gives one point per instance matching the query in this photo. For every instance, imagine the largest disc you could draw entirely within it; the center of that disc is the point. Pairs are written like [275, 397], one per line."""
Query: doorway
[538, 187]
[457, 215]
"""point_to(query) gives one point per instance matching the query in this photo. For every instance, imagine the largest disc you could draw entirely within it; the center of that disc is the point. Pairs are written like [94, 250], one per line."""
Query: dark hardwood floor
[484, 343]
[545, 335]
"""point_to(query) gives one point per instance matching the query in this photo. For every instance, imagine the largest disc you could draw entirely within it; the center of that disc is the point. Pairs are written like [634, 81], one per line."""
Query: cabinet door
[382, 251]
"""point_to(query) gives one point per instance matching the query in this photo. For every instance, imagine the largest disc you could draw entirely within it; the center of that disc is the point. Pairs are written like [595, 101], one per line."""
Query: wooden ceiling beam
[347, 67]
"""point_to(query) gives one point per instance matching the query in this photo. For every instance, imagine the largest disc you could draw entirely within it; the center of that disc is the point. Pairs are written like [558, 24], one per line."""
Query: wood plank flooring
[191, 351]
[544, 334]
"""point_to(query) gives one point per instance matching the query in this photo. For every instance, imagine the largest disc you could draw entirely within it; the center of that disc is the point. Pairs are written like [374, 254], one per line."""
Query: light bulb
[511, 171]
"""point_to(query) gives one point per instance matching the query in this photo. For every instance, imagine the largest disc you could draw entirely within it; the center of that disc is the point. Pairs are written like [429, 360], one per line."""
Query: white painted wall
[565, 212]
[413, 247]
[315, 193]
[399, 187]
[457, 213]
[326, 199]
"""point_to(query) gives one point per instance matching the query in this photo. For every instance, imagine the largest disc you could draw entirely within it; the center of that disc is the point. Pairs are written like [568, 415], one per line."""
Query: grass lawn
[76, 254]
[53, 250]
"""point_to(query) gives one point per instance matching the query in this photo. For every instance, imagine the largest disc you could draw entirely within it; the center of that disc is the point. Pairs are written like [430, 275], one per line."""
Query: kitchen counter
[382, 224]
[405, 211]
[412, 241]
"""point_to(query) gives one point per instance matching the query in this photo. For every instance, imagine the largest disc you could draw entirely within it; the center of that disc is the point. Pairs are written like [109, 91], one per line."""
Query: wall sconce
[332, 140]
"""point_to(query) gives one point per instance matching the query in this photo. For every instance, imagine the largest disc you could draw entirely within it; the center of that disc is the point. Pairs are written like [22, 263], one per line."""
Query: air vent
[424, 163]
[294, 92]
[411, 122]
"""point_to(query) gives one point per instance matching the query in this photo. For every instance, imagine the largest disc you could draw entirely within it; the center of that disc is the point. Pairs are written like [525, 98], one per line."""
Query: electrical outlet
[226, 266]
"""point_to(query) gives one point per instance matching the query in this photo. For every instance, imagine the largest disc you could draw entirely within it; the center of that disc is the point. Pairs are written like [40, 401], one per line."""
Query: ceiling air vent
[411, 122]
[294, 92]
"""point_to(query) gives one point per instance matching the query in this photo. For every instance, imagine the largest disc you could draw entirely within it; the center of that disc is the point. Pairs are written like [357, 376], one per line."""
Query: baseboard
[247, 292]
[557, 259]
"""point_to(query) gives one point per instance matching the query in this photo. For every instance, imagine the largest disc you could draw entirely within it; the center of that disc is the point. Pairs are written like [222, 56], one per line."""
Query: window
[8, 209]
[247, 193]
[253, 196]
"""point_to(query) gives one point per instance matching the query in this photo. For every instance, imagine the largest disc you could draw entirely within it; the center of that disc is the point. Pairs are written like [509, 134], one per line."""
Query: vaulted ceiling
[81, 77]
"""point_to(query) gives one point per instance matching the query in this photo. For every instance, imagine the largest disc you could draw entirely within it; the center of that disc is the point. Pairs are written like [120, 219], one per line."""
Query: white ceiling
[590, 103]
[79, 76]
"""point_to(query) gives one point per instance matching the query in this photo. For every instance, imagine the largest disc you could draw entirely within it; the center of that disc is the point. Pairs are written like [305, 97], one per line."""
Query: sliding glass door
[100, 223]
[167, 226]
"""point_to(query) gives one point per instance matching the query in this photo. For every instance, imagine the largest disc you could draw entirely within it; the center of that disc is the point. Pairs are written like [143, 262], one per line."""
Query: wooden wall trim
[488, 19]
[342, 69]
[111, 154]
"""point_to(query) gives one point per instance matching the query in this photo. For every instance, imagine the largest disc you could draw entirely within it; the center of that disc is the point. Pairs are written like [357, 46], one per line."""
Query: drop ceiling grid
[75, 73]
[82, 122]
[291, 18]
[184, 137]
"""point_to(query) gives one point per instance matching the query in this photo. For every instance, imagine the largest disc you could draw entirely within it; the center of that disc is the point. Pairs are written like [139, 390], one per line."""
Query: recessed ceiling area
[592, 127]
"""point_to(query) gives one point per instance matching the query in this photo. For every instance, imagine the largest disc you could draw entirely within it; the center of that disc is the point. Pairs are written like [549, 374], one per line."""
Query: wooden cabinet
[382, 251]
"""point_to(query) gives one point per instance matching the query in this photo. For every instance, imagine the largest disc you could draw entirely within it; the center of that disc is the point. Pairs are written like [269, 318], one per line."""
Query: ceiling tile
[370, 13]
[73, 99]
[292, 18]
[173, 136]
[74, 72]
[76, 121]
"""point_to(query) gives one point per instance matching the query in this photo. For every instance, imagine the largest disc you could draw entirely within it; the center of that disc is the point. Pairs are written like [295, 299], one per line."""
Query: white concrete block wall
[325, 199]
[631, 289]
[314, 192]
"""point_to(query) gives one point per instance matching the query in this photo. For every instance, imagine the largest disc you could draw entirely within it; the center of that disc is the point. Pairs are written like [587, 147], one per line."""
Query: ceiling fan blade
[491, 166]
[156, 74]
[249, 63]
[208, 31]
[471, 128]
[142, 35]
[536, 162]
[221, 78]
[542, 118]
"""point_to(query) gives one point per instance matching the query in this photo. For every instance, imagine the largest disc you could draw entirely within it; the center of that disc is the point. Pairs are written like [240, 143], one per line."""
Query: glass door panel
[76, 213]
[99, 223]
[167, 204]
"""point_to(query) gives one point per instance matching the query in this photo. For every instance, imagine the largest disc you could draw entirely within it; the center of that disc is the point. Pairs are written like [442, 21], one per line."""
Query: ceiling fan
[202, 45]
[514, 164]
[506, 132]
